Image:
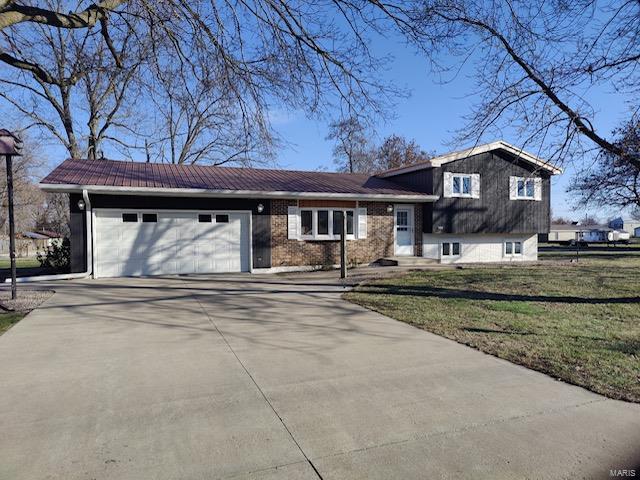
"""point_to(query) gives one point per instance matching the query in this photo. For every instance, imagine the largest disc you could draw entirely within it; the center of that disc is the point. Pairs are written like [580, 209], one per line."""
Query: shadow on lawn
[476, 295]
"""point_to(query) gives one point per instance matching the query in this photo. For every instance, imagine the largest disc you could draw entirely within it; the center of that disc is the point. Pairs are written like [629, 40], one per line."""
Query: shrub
[57, 256]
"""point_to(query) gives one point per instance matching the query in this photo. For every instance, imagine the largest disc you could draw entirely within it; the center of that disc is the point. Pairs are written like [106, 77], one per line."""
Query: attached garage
[146, 242]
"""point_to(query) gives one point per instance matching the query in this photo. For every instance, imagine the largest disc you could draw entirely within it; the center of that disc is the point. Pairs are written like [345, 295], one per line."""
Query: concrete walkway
[277, 377]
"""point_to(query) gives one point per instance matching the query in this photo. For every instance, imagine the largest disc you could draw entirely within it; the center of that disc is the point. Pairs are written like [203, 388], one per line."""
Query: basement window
[450, 249]
[149, 217]
[512, 248]
[204, 218]
[222, 218]
[129, 217]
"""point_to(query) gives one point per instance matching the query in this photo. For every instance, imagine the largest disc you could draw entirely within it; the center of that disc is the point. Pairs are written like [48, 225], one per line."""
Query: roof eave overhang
[500, 145]
[198, 192]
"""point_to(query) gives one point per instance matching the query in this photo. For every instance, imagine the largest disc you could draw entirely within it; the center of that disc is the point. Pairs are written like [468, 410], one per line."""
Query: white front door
[403, 226]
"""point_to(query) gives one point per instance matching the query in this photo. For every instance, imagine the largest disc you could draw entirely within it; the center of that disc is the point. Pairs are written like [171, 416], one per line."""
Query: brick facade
[378, 244]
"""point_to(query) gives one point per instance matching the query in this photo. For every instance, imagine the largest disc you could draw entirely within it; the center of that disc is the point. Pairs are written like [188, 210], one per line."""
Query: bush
[57, 256]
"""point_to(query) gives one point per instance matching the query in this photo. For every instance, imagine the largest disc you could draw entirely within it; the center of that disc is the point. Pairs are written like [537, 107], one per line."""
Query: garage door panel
[176, 243]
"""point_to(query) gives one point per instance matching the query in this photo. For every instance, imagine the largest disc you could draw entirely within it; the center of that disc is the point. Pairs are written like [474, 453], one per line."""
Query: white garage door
[132, 243]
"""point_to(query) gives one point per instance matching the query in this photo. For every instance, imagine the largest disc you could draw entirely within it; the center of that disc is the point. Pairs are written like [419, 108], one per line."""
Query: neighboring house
[568, 234]
[28, 244]
[485, 204]
[561, 233]
[628, 225]
[636, 232]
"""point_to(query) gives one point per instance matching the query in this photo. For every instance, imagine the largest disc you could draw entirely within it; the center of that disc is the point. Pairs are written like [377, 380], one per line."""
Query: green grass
[577, 322]
[8, 319]
[20, 263]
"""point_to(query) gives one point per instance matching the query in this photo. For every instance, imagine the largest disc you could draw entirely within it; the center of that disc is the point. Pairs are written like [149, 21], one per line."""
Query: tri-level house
[485, 204]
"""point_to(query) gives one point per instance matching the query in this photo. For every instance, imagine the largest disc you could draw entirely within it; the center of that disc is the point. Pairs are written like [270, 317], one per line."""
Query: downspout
[89, 256]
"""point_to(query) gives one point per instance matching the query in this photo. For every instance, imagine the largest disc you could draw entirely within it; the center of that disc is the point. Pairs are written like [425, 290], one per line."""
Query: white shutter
[513, 188]
[475, 185]
[293, 223]
[447, 184]
[362, 223]
[537, 191]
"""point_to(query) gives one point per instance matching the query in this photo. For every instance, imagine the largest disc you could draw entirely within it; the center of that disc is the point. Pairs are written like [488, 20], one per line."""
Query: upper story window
[461, 185]
[525, 188]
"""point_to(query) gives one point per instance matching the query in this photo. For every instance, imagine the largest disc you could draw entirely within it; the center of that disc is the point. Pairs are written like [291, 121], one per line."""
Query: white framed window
[525, 188]
[450, 249]
[461, 185]
[325, 224]
[513, 248]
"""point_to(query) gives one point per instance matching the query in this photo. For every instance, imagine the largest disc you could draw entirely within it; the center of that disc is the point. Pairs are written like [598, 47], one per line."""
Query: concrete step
[406, 262]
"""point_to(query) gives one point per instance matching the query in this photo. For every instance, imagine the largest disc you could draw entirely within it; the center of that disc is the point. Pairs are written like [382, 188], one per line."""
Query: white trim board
[488, 147]
[201, 192]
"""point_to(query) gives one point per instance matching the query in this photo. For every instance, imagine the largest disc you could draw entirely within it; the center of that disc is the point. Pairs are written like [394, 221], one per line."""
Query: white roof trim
[450, 157]
[199, 192]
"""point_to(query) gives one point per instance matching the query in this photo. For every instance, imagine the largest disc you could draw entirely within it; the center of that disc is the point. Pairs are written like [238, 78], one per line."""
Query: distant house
[626, 224]
[28, 244]
[569, 233]
[561, 233]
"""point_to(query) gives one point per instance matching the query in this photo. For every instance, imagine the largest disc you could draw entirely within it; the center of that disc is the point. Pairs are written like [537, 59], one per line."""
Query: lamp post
[11, 146]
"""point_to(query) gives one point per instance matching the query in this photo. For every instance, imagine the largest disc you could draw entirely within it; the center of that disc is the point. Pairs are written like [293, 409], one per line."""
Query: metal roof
[157, 178]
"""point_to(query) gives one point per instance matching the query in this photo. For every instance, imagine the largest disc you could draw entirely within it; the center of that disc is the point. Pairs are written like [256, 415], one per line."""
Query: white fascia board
[198, 192]
[450, 157]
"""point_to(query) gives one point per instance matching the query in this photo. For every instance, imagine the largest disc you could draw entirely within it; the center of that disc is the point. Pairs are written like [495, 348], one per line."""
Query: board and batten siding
[493, 212]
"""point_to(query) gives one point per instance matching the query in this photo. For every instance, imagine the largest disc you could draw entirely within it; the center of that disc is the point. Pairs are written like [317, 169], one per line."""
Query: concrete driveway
[277, 377]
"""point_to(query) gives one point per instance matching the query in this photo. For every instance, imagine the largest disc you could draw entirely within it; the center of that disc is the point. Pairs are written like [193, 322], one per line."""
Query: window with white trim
[324, 223]
[461, 185]
[512, 248]
[450, 249]
[525, 188]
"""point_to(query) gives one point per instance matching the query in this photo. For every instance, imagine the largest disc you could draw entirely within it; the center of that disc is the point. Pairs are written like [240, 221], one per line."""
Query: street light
[11, 146]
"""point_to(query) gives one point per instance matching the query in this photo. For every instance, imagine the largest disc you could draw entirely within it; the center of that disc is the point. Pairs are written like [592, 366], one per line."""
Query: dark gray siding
[261, 232]
[493, 212]
[78, 232]
[421, 180]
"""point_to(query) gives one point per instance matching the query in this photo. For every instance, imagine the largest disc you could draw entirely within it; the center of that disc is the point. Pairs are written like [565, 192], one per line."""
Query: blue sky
[430, 116]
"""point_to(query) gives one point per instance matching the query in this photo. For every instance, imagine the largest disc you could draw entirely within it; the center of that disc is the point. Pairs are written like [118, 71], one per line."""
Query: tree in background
[396, 151]
[560, 221]
[538, 67]
[75, 87]
[28, 198]
[355, 152]
[352, 152]
[99, 71]
[613, 181]
[590, 220]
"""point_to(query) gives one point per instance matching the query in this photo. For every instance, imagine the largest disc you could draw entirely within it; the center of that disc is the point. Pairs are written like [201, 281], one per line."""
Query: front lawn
[577, 322]
[20, 263]
[8, 319]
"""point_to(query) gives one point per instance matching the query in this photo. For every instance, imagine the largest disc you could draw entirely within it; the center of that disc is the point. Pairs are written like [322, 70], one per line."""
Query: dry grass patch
[577, 322]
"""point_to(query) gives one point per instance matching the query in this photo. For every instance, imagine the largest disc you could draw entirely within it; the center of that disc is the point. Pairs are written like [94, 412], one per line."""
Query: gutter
[200, 192]
[89, 257]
